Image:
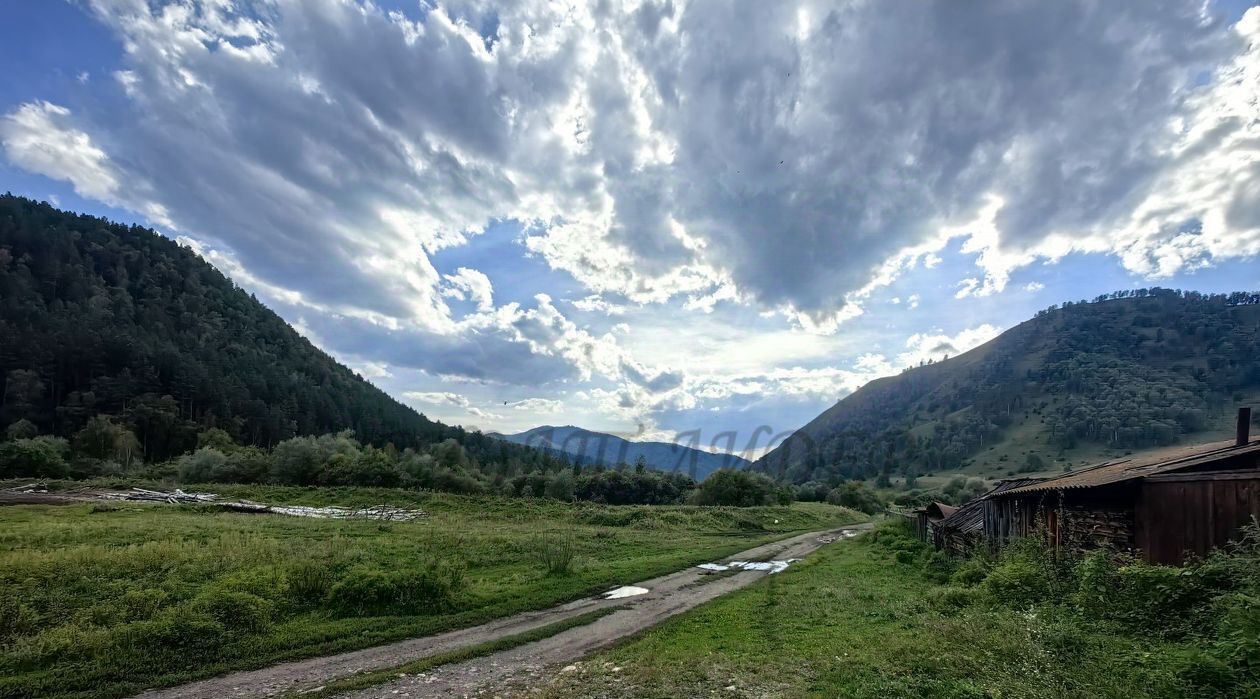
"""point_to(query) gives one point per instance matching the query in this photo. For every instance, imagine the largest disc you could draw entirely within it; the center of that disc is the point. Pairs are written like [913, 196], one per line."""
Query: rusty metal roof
[1140, 466]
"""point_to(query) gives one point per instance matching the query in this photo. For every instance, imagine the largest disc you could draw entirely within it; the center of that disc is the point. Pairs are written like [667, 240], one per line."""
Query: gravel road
[668, 595]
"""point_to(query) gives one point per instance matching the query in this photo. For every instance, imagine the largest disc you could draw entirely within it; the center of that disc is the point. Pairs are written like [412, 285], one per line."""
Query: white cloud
[922, 347]
[653, 165]
[446, 399]
[1034, 287]
[538, 406]
[324, 153]
[39, 137]
[472, 285]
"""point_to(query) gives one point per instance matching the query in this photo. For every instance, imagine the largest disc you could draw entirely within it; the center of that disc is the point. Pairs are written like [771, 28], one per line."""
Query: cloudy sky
[656, 217]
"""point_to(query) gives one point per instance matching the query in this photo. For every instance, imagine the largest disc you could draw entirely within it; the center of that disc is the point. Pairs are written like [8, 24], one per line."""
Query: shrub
[1154, 599]
[1157, 599]
[560, 486]
[736, 488]
[1017, 582]
[180, 630]
[370, 467]
[971, 572]
[217, 438]
[951, 599]
[556, 553]
[245, 465]
[940, 567]
[855, 495]
[38, 457]
[896, 535]
[369, 592]
[235, 611]
[141, 604]
[1238, 630]
[21, 429]
[813, 491]
[1203, 675]
[307, 583]
[204, 465]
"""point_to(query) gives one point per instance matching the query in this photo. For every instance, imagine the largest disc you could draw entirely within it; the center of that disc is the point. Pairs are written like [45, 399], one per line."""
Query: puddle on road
[626, 591]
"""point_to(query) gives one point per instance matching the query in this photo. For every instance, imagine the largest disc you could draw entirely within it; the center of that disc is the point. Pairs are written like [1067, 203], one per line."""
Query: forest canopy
[102, 320]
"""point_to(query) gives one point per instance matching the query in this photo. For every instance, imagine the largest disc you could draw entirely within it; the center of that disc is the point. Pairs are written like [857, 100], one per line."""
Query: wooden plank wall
[1194, 513]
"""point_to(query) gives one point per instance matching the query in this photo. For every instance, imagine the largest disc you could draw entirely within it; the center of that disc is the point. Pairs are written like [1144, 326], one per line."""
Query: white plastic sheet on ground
[771, 567]
[626, 591]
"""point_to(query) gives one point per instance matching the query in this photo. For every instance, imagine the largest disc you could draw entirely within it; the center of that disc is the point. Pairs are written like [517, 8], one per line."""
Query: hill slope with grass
[98, 318]
[596, 448]
[1126, 372]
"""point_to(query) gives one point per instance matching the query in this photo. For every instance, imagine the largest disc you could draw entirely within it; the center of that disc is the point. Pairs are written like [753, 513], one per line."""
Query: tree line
[104, 447]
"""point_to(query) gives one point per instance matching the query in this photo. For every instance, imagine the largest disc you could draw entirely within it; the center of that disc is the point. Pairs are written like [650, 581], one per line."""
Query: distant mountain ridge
[1128, 371]
[597, 448]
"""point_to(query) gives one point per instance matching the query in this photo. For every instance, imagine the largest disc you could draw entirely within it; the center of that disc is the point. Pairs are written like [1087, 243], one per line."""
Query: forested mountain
[599, 449]
[1127, 371]
[102, 318]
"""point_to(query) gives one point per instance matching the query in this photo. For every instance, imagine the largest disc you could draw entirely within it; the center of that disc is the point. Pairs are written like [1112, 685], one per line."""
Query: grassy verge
[862, 619]
[107, 601]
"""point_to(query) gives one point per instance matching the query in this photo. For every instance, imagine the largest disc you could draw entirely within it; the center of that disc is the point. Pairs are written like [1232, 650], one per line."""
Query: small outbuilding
[1163, 505]
[927, 518]
[963, 531]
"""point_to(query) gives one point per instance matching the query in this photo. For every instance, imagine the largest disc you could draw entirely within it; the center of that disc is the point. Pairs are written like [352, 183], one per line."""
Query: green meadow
[109, 599]
[883, 617]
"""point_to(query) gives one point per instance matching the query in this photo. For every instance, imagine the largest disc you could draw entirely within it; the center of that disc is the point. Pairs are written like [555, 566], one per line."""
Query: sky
[669, 219]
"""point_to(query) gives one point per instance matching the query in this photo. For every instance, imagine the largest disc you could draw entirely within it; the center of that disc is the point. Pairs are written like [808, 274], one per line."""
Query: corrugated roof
[1140, 466]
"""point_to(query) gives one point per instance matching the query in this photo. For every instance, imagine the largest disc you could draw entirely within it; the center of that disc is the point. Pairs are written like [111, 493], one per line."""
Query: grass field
[108, 600]
[860, 620]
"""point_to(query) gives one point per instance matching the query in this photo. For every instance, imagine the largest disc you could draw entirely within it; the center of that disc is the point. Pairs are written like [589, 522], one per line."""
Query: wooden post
[1244, 426]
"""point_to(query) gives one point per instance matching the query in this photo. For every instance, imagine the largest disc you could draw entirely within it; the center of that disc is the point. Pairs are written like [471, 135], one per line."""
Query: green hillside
[101, 318]
[1126, 372]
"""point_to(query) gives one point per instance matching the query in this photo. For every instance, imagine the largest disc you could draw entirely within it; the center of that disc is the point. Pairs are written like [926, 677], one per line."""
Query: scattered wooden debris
[174, 497]
[387, 513]
[379, 512]
[36, 487]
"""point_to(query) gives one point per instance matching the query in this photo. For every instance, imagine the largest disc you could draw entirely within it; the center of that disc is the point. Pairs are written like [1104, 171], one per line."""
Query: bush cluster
[104, 448]
[1212, 604]
[740, 489]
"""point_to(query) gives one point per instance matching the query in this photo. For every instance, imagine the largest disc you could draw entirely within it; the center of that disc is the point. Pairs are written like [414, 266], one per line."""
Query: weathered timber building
[963, 531]
[1161, 506]
[927, 518]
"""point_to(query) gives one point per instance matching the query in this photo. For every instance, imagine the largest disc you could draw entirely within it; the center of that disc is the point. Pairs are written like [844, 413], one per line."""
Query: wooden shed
[1163, 505]
[963, 531]
[926, 519]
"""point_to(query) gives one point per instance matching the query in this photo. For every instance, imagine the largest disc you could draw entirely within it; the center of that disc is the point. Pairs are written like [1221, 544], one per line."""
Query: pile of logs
[36, 487]
[175, 497]
[179, 497]
[386, 513]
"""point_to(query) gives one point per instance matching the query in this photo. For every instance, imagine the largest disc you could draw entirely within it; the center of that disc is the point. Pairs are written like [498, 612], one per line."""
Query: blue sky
[651, 218]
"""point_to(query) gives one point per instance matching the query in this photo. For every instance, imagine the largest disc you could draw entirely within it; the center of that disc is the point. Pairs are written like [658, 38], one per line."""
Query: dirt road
[668, 595]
